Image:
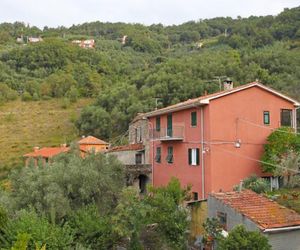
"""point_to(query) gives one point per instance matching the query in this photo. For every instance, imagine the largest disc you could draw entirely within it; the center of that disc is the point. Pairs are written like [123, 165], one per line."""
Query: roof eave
[281, 229]
[296, 103]
[169, 110]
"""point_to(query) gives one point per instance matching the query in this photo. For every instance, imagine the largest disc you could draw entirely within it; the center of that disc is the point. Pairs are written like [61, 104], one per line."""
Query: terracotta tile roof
[91, 140]
[202, 100]
[264, 212]
[129, 147]
[47, 152]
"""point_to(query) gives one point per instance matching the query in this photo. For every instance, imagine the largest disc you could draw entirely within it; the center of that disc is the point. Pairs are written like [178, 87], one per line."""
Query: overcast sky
[55, 13]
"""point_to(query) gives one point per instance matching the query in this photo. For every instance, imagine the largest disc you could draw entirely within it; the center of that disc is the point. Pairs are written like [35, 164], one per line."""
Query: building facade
[213, 142]
[135, 156]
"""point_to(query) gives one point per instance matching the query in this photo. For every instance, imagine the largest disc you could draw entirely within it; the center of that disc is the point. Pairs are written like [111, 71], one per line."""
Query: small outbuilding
[257, 213]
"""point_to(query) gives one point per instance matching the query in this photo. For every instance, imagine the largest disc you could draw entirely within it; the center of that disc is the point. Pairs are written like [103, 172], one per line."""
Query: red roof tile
[91, 140]
[47, 152]
[129, 147]
[264, 212]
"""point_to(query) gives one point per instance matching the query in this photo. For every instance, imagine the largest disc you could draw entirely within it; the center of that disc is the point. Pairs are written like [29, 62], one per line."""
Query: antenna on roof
[219, 78]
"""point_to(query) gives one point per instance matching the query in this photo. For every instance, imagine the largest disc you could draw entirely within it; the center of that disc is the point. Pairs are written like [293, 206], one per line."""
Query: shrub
[240, 238]
[39, 229]
[26, 96]
[256, 184]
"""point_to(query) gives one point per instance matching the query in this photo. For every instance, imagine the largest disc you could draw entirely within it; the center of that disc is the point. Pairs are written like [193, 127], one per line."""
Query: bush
[7, 94]
[91, 229]
[256, 184]
[35, 97]
[26, 97]
[240, 238]
[41, 232]
[65, 103]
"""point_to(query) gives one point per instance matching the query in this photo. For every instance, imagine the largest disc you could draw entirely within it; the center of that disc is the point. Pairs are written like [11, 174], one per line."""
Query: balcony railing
[166, 134]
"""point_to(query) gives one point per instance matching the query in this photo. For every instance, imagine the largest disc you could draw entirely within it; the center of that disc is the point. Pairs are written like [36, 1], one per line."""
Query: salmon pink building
[214, 141]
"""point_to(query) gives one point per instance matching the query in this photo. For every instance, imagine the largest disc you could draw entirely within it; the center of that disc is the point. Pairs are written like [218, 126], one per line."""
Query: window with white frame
[193, 156]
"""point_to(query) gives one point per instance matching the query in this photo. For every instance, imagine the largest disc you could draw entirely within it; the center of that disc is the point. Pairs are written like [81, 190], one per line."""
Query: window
[158, 155]
[157, 124]
[222, 219]
[138, 134]
[170, 155]
[266, 117]
[193, 156]
[194, 119]
[286, 117]
[169, 125]
[195, 196]
[138, 158]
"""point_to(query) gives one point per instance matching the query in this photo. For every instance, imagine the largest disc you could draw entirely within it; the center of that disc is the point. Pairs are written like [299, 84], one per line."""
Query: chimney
[35, 149]
[228, 84]
[240, 186]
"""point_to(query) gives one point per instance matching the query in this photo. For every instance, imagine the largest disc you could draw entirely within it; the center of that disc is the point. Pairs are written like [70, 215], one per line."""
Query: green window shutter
[194, 118]
[198, 156]
[157, 127]
[169, 125]
[190, 156]
[266, 117]
[170, 155]
[158, 155]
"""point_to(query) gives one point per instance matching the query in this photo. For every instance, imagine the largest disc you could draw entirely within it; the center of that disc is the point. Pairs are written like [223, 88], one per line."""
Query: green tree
[278, 144]
[240, 238]
[68, 184]
[95, 121]
[154, 215]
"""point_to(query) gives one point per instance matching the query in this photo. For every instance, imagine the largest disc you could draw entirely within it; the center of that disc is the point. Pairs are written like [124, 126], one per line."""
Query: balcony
[165, 134]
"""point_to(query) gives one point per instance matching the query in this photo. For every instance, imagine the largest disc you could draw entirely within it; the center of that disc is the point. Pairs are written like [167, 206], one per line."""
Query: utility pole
[157, 102]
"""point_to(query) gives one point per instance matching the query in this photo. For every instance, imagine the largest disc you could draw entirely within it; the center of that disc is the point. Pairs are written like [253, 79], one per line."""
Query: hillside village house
[257, 213]
[135, 155]
[92, 144]
[45, 154]
[89, 43]
[214, 141]
[86, 145]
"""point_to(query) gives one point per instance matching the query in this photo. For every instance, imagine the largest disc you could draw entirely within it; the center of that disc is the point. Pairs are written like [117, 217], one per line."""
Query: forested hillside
[156, 64]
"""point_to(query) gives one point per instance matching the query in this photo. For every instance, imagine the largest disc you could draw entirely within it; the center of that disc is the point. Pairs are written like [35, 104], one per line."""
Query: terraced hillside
[24, 125]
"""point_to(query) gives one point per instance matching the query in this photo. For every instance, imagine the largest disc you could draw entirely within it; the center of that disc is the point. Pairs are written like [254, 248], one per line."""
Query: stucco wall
[187, 174]
[285, 240]
[240, 116]
[126, 157]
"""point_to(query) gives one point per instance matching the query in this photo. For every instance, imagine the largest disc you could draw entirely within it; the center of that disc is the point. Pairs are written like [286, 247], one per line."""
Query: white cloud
[67, 12]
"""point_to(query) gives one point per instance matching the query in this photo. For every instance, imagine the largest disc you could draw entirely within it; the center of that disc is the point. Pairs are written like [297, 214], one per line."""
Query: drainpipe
[202, 153]
[151, 141]
[295, 119]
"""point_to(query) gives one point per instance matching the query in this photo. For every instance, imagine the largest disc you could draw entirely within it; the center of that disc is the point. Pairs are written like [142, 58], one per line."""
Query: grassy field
[24, 125]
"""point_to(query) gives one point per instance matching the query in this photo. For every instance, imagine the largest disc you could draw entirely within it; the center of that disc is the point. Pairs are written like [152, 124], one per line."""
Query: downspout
[202, 153]
[152, 158]
[295, 119]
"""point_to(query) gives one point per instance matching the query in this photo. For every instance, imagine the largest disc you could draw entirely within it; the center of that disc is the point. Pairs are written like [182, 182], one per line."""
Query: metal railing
[167, 134]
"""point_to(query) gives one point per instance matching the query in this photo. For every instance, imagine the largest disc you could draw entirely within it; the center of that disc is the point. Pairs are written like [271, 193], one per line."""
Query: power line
[266, 127]
[256, 160]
